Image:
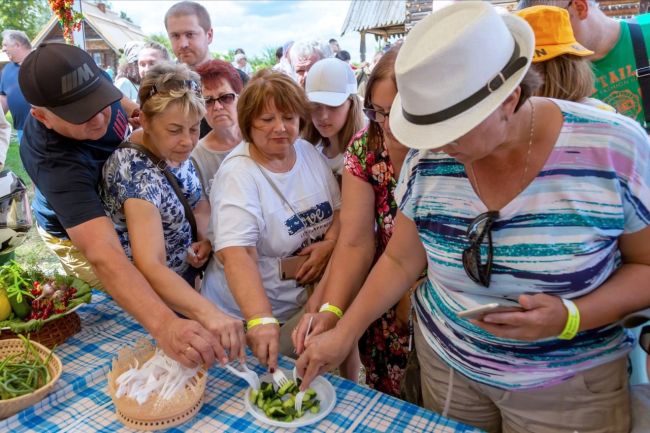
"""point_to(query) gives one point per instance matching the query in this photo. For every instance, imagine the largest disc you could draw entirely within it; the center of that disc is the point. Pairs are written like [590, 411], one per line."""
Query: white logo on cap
[76, 78]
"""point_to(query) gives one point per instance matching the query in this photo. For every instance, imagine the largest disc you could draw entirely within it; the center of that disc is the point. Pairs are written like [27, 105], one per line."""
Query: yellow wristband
[572, 321]
[261, 321]
[332, 309]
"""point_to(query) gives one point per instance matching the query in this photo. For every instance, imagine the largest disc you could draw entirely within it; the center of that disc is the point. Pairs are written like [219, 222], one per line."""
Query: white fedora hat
[456, 67]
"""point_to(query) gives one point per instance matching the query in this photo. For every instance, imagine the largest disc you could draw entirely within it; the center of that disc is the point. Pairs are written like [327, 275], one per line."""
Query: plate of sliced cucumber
[274, 405]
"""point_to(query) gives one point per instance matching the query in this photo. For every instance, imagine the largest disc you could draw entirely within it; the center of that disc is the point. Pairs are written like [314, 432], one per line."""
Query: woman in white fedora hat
[509, 198]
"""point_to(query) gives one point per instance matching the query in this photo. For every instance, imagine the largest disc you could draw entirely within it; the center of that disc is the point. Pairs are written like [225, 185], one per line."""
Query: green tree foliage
[27, 15]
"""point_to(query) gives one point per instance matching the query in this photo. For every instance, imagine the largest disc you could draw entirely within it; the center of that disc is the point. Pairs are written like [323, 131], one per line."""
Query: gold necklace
[530, 148]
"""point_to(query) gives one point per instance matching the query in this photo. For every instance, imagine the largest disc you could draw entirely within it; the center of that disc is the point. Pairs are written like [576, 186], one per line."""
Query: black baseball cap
[67, 81]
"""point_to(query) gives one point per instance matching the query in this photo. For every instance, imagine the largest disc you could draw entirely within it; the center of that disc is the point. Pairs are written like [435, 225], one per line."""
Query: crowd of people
[302, 211]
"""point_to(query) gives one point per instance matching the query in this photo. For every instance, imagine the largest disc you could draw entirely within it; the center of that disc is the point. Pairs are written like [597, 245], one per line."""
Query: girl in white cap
[336, 110]
[539, 202]
[372, 162]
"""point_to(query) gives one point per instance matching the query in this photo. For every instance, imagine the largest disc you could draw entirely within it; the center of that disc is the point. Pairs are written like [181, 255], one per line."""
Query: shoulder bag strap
[163, 167]
[642, 68]
[279, 193]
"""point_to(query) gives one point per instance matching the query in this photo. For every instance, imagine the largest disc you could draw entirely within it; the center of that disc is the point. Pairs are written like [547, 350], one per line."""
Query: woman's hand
[188, 342]
[264, 341]
[320, 323]
[324, 352]
[198, 253]
[319, 254]
[544, 316]
[229, 331]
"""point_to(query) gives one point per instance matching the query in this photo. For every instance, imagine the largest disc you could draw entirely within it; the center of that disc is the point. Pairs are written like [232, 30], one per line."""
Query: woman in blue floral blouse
[148, 215]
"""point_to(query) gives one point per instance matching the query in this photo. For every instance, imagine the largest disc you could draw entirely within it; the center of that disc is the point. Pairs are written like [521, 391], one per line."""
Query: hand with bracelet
[263, 337]
[544, 316]
[324, 320]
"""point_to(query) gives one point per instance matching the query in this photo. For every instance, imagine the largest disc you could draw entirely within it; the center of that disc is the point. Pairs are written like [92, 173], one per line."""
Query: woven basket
[154, 414]
[52, 333]
[15, 405]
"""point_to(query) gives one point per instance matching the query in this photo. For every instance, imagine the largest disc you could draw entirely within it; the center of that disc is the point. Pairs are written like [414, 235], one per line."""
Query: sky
[255, 25]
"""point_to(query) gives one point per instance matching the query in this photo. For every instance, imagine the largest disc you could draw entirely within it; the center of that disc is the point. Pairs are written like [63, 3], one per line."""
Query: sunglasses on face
[479, 229]
[375, 115]
[223, 100]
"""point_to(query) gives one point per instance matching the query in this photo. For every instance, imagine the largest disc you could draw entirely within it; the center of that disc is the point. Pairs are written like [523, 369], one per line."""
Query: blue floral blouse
[129, 174]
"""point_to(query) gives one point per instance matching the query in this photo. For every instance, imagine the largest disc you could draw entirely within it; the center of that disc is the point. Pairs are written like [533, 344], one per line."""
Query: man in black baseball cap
[76, 122]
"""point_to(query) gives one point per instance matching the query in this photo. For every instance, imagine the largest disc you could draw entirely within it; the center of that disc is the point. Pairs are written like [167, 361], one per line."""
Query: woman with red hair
[221, 88]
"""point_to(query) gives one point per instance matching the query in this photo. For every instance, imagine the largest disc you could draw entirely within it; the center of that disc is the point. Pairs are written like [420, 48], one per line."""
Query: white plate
[325, 393]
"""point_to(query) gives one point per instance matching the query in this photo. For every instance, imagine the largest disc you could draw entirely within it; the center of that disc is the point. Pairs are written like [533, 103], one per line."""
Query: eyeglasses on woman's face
[376, 115]
[223, 100]
[477, 231]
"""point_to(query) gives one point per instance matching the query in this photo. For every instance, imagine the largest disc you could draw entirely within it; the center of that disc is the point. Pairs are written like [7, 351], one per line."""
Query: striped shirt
[558, 236]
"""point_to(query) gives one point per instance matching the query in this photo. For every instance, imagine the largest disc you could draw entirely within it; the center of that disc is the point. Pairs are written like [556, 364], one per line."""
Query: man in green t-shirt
[613, 59]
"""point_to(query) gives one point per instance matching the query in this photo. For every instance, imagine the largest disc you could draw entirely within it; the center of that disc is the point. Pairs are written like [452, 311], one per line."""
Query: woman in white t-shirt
[276, 198]
[221, 87]
[337, 112]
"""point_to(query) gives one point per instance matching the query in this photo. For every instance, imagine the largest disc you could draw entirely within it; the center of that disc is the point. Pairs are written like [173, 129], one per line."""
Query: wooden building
[105, 33]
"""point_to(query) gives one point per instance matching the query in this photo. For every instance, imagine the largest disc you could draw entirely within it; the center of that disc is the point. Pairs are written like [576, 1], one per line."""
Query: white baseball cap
[330, 82]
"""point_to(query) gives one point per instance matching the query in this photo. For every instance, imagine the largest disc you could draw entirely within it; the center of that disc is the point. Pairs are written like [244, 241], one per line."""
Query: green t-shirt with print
[616, 82]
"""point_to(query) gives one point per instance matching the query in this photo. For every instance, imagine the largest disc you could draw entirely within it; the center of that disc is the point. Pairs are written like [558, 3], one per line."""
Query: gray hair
[306, 48]
[17, 37]
[153, 45]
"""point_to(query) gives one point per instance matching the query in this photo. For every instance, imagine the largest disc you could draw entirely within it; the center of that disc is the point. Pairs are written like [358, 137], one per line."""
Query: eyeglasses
[187, 84]
[476, 232]
[375, 115]
[223, 100]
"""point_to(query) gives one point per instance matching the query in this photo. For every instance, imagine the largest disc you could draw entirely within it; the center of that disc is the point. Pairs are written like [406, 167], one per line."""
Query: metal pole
[79, 35]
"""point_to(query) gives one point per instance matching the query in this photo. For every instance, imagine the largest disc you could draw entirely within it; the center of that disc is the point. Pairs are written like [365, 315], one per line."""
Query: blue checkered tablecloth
[80, 403]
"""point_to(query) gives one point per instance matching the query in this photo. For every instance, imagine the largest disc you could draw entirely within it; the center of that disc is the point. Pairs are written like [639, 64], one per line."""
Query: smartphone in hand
[289, 266]
[479, 312]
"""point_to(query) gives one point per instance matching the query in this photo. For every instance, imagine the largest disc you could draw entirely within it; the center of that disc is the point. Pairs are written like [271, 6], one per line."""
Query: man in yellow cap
[613, 60]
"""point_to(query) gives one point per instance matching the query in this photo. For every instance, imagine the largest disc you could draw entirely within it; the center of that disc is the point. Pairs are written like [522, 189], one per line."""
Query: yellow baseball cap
[553, 33]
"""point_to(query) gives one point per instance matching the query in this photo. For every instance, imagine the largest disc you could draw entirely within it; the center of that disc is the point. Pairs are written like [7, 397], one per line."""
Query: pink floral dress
[384, 346]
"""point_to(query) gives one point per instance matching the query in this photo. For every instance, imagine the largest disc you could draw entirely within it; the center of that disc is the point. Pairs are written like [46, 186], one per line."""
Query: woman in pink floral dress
[368, 207]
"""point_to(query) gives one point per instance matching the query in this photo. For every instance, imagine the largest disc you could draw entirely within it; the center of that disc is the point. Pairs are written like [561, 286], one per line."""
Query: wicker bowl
[52, 333]
[154, 414]
[16, 346]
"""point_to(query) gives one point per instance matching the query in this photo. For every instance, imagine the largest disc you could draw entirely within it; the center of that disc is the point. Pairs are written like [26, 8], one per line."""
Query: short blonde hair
[171, 83]
[265, 87]
[566, 77]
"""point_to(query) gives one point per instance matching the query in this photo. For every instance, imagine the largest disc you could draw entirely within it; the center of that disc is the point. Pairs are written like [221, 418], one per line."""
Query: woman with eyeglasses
[508, 197]
[372, 161]
[274, 218]
[336, 110]
[149, 215]
[221, 86]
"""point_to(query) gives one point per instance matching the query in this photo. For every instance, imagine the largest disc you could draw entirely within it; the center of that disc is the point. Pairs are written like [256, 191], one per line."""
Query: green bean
[20, 375]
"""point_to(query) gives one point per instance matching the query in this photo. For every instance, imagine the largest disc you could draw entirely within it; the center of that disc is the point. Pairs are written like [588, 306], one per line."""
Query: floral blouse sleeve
[375, 168]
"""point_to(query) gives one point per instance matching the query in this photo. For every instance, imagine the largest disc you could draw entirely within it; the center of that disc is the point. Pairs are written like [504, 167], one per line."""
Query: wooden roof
[115, 31]
[380, 17]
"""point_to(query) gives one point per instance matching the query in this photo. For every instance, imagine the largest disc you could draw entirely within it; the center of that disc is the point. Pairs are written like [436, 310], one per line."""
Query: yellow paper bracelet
[332, 309]
[572, 321]
[261, 321]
